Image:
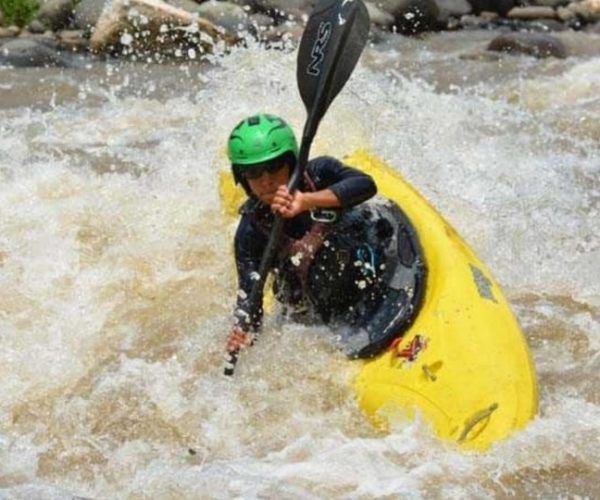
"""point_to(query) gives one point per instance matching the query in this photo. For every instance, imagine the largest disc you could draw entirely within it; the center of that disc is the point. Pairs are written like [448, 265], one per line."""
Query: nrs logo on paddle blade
[317, 53]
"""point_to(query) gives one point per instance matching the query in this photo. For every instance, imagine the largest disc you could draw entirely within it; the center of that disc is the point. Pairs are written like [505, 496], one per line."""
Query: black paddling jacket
[351, 186]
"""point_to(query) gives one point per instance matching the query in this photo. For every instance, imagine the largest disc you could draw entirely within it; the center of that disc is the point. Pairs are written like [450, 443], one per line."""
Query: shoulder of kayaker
[350, 185]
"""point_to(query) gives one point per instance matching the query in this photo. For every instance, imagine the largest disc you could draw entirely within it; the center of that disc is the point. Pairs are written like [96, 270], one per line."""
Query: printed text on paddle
[317, 53]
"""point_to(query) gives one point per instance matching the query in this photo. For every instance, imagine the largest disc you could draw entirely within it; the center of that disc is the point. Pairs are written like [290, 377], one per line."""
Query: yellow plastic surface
[474, 381]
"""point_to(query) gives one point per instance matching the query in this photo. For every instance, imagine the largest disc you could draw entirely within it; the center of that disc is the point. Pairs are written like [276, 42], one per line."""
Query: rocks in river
[141, 27]
[549, 3]
[228, 15]
[411, 16]
[565, 14]
[261, 21]
[36, 27]
[589, 10]
[499, 6]
[289, 9]
[452, 8]
[32, 52]
[192, 27]
[379, 17]
[9, 32]
[73, 40]
[56, 14]
[532, 12]
[533, 44]
[189, 5]
[86, 14]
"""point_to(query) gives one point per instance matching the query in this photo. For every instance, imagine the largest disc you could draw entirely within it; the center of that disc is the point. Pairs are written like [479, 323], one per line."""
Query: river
[117, 279]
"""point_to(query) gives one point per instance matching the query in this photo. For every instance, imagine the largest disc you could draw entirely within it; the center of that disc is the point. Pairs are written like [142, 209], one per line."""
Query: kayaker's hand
[288, 205]
[239, 339]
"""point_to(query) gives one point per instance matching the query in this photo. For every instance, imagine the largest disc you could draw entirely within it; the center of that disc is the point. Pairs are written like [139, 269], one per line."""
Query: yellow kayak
[463, 364]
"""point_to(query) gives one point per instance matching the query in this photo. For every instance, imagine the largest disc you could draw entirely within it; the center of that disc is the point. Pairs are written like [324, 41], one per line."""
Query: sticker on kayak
[483, 284]
[412, 350]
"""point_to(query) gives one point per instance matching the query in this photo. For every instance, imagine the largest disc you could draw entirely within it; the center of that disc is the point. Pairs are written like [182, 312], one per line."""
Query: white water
[117, 280]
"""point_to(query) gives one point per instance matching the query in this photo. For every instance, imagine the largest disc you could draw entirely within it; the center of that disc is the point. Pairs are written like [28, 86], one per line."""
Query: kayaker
[324, 262]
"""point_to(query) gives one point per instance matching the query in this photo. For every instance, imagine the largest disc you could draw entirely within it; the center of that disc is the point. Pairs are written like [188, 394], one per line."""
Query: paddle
[331, 44]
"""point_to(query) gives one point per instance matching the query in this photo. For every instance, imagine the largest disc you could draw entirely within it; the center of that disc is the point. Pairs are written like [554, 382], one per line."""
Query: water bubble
[126, 39]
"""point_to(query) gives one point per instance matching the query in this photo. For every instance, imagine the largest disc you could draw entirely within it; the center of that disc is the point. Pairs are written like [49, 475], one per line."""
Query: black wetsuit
[351, 186]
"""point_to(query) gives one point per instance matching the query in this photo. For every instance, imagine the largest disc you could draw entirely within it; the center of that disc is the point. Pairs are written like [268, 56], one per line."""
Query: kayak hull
[463, 364]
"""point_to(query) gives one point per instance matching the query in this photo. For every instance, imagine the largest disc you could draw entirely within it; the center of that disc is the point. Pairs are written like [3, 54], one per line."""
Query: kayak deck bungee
[463, 363]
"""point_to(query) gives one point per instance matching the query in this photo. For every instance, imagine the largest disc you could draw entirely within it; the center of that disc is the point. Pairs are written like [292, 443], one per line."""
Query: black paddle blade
[331, 44]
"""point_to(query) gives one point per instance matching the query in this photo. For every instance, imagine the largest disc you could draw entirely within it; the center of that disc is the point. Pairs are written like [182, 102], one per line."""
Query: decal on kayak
[483, 284]
[412, 350]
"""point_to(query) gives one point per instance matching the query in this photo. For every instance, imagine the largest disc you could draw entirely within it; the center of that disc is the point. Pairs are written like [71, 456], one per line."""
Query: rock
[549, 3]
[488, 15]
[87, 13]
[411, 16]
[290, 9]
[36, 27]
[10, 32]
[452, 8]
[74, 40]
[532, 12]
[188, 5]
[533, 44]
[261, 21]
[589, 10]
[379, 17]
[228, 15]
[565, 14]
[56, 14]
[141, 27]
[29, 52]
[500, 6]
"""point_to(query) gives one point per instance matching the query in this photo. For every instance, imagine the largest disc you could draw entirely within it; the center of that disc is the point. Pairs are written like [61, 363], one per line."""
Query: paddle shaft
[270, 250]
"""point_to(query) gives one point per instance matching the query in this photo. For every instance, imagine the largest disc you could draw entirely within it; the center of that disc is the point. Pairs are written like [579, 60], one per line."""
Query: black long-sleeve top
[351, 187]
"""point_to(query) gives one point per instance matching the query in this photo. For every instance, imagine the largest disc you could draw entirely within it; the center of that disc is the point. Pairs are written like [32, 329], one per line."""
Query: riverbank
[61, 32]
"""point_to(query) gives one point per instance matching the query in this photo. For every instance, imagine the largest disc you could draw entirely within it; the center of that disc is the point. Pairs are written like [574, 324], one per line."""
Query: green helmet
[260, 138]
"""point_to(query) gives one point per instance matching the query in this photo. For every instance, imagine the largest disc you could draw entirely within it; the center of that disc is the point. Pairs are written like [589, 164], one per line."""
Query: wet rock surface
[33, 52]
[533, 44]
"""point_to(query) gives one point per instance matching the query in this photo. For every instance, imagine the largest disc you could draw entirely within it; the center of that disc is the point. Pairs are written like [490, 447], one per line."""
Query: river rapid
[117, 278]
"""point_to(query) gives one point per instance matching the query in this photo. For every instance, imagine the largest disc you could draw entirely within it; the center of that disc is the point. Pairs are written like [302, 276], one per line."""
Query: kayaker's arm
[349, 185]
[248, 246]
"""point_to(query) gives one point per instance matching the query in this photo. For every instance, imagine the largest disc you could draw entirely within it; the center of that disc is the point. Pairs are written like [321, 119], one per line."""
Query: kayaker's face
[265, 186]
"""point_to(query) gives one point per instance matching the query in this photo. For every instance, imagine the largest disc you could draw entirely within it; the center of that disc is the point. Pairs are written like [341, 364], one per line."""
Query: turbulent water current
[117, 280]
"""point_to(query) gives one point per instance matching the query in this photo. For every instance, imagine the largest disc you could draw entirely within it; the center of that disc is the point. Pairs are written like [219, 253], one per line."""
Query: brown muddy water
[117, 279]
